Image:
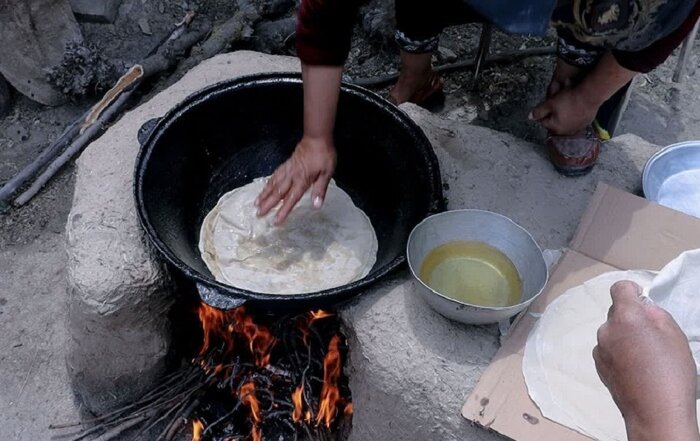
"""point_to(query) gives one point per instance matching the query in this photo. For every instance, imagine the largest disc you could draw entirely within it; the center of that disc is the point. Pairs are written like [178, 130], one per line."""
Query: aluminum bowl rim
[655, 157]
[520, 305]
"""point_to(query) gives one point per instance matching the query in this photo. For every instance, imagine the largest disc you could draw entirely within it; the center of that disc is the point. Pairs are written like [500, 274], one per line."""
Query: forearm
[682, 428]
[321, 91]
[606, 78]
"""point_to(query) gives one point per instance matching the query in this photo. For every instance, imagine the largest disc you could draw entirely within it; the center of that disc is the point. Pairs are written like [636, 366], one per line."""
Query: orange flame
[255, 433]
[197, 429]
[318, 315]
[214, 324]
[226, 326]
[298, 404]
[348, 409]
[330, 394]
[259, 338]
[248, 398]
[313, 316]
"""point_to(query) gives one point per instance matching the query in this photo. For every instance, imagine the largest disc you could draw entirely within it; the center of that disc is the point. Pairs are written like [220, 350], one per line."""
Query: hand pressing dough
[558, 363]
[314, 250]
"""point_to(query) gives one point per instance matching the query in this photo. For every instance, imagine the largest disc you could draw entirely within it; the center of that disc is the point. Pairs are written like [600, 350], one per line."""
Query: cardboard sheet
[617, 231]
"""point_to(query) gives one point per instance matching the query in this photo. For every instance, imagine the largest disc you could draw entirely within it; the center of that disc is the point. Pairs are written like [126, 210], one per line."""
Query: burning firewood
[254, 377]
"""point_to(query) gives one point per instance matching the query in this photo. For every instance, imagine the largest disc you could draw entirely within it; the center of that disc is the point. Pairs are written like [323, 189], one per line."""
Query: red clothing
[324, 31]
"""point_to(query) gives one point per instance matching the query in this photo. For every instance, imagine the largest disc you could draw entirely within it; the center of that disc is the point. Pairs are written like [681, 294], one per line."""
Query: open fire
[283, 375]
[254, 378]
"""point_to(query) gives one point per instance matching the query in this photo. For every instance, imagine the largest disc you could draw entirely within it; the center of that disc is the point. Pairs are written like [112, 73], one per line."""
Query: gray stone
[100, 11]
[446, 55]
[120, 293]
[410, 369]
[34, 39]
[270, 36]
[144, 26]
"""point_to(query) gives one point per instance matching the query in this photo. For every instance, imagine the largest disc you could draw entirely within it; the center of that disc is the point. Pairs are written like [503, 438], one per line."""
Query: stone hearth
[410, 369]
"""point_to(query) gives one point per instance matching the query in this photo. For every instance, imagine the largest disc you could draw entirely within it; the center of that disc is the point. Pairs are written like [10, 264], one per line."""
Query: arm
[321, 91]
[313, 162]
[324, 31]
[644, 359]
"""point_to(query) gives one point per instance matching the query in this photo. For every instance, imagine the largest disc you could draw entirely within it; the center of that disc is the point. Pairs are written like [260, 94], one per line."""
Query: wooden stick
[33, 168]
[503, 57]
[127, 81]
[234, 29]
[123, 427]
[73, 149]
[163, 58]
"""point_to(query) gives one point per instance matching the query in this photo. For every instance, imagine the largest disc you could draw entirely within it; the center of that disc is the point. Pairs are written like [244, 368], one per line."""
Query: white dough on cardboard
[315, 249]
[558, 364]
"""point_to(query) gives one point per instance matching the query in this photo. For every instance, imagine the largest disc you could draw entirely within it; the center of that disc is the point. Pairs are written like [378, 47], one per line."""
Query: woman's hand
[313, 162]
[311, 165]
[574, 97]
[644, 359]
[567, 112]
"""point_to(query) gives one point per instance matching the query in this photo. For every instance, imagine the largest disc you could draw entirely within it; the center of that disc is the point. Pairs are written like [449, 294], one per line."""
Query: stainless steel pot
[493, 229]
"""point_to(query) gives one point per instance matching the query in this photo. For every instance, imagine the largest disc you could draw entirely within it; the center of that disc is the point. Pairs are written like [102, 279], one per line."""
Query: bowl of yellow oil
[475, 266]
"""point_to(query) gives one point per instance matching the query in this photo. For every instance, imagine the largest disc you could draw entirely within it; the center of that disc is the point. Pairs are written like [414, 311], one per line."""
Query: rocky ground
[32, 260]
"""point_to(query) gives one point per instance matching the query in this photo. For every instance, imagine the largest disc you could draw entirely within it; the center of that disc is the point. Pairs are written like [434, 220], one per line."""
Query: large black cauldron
[225, 136]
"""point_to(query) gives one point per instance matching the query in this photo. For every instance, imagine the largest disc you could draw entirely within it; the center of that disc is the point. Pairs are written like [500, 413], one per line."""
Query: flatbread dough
[558, 364]
[315, 249]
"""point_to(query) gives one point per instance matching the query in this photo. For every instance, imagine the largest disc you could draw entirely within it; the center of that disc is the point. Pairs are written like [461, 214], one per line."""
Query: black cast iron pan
[230, 133]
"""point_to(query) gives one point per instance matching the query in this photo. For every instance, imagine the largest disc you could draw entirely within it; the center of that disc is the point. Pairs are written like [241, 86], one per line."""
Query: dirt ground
[33, 388]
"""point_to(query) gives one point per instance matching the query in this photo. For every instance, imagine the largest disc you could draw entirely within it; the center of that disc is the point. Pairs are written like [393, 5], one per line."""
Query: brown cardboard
[617, 231]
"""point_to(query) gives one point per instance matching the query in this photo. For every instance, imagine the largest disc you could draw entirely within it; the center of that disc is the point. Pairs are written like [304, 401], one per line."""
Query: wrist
[590, 96]
[680, 428]
[318, 142]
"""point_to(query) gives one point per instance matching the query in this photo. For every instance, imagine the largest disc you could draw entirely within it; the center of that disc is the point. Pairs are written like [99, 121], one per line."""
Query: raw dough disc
[558, 364]
[315, 249]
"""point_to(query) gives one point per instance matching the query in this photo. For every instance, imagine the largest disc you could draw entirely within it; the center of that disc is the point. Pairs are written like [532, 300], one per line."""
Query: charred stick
[34, 167]
[74, 148]
[236, 28]
[123, 427]
[178, 422]
[93, 122]
[228, 415]
[155, 420]
[308, 432]
[172, 429]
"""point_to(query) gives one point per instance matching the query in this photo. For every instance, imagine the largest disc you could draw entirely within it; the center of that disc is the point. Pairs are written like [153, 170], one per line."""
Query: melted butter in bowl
[472, 272]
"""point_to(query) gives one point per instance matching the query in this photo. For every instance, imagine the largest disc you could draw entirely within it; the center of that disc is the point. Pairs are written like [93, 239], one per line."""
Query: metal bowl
[493, 229]
[672, 177]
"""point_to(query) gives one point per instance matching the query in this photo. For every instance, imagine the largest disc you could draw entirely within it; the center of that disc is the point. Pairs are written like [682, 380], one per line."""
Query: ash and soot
[256, 377]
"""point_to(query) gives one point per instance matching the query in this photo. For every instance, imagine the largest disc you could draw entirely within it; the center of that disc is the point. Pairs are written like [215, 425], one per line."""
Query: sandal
[574, 155]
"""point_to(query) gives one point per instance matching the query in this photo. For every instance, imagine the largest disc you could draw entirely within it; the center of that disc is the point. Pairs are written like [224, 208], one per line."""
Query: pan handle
[146, 129]
[214, 298]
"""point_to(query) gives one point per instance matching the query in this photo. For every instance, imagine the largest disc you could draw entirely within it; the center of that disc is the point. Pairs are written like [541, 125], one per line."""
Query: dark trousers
[418, 31]
[418, 26]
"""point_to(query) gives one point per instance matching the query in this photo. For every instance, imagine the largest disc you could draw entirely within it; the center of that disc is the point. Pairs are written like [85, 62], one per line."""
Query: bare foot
[407, 86]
